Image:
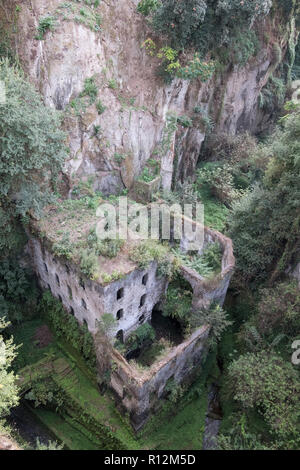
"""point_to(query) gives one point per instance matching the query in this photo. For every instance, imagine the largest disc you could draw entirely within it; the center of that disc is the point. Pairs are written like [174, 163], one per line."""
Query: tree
[215, 317]
[8, 388]
[269, 384]
[32, 153]
[179, 19]
[265, 223]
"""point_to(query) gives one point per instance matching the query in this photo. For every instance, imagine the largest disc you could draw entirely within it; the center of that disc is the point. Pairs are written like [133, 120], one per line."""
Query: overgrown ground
[94, 423]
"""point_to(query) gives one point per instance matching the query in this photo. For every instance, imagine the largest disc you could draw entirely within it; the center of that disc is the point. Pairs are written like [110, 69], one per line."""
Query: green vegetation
[215, 317]
[171, 67]
[226, 29]
[147, 6]
[271, 385]
[100, 107]
[142, 335]
[47, 23]
[90, 89]
[150, 250]
[264, 224]
[178, 303]
[25, 156]
[150, 171]
[66, 326]
[82, 12]
[18, 291]
[9, 396]
[250, 190]
[207, 264]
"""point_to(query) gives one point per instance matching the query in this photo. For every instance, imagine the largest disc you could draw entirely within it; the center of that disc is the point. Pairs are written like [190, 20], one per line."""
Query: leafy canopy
[265, 223]
[32, 152]
[8, 387]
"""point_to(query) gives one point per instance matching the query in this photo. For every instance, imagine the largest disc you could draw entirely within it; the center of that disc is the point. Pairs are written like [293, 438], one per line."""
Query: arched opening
[120, 336]
[81, 283]
[83, 303]
[72, 311]
[145, 279]
[120, 293]
[120, 314]
[143, 300]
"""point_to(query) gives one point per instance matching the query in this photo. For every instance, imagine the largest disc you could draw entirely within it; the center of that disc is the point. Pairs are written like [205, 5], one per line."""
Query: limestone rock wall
[136, 108]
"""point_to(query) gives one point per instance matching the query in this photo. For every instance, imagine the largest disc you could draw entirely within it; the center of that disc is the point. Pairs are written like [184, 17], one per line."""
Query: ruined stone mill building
[131, 298]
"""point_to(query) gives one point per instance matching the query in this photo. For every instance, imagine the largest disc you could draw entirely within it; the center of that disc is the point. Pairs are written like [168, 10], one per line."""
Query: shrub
[145, 7]
[150, 46]
[223, 26]
[215, 317]
[149, 251]
[178, 302]
[109, 247]
[100, 107]
[8, 390]
[179, 19]
[18, 292]
[89, 263]
[107, 324]
[270, 385]
[29, 161]
[113, 84]
[264, 224]
[144, 334]
[51, 445]
[271, 97]
[212, 255]
[90, 89]
[114, 276]
[196, 262]
[63, 247]
[279, 309]
[220, 180]
[196, 68]
[46, 23]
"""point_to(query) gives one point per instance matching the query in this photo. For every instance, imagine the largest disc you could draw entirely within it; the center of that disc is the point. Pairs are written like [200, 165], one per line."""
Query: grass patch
[29, 352]
[215, 213]
[72, 438]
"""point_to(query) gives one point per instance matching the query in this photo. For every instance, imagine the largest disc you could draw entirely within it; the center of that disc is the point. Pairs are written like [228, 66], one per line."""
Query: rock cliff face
[137, 101]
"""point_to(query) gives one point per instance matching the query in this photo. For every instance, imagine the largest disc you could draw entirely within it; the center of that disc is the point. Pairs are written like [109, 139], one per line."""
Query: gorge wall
[136, 100]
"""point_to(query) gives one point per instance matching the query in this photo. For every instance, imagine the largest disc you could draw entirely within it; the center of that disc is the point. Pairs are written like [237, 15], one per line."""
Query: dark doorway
[120, 314]
[120, 336]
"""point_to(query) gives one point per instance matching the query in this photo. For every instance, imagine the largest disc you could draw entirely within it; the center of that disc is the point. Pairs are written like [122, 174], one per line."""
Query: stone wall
[130, 300]
[206, 290]
[139, 393]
